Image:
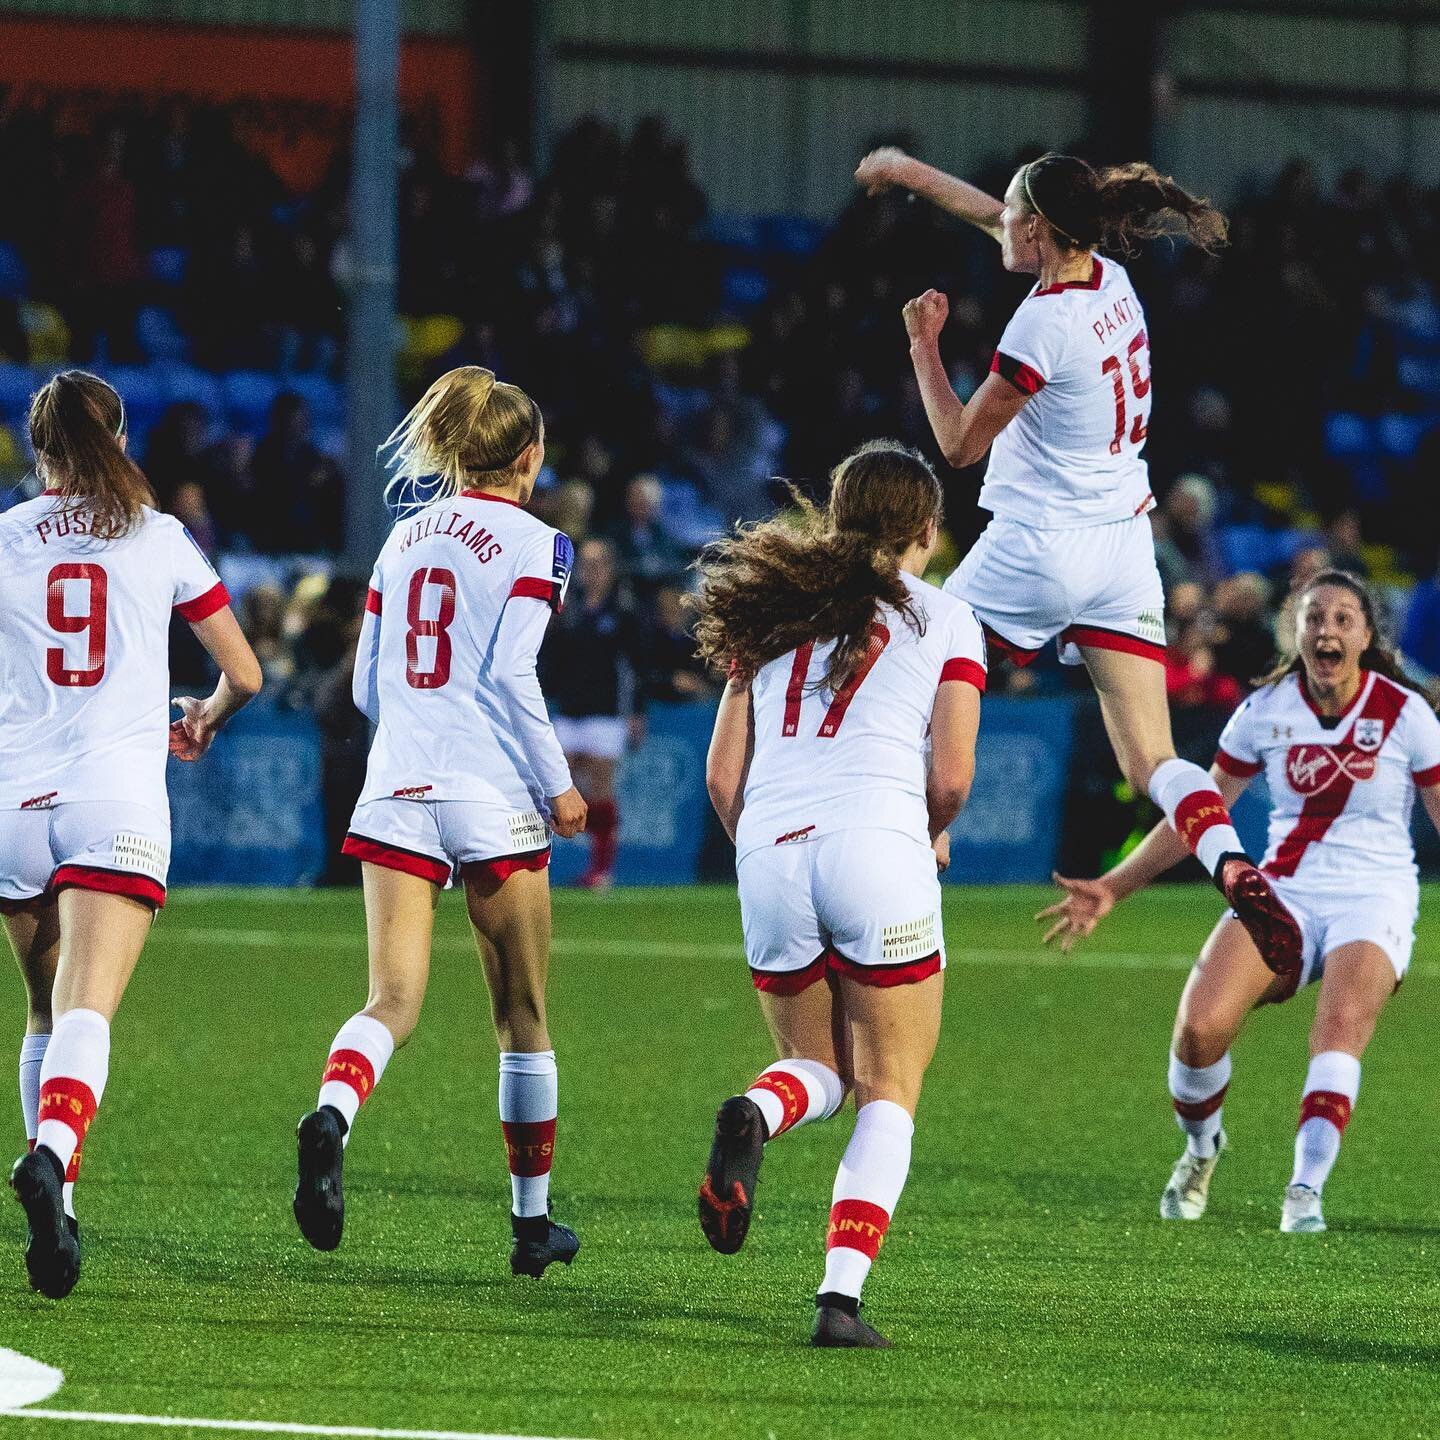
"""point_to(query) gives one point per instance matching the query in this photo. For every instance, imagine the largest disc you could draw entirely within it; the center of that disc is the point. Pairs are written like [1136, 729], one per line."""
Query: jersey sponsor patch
[140, 855]
[910, 940]
[564, 564]
[528, 831]
[1313, 769]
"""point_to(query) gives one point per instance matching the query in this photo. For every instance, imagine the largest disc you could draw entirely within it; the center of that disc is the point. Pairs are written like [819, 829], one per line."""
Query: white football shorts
[601, 736]
[1384, 914]
[115, 847]
[1096, 586]
[860, 903]
[432, 838]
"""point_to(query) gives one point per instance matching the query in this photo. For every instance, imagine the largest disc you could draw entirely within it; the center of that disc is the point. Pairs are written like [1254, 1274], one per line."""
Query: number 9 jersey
[84, 652]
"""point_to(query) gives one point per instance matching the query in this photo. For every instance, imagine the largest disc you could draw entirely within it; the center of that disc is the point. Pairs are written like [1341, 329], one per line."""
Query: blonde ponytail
[467, 429]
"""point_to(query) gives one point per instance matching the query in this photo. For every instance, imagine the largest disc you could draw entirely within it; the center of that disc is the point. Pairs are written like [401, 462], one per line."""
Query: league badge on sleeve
[1369, 734]
[564, 563]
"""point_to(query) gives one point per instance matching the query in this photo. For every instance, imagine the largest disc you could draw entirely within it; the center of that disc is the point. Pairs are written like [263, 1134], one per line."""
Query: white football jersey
[85, 652]
[1341, 791]
[1071, 457]
[855, 758]
[458, 605]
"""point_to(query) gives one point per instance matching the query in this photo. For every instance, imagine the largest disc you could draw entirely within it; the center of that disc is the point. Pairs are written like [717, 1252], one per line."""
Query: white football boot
[1300, 1213]
[1188, 1191]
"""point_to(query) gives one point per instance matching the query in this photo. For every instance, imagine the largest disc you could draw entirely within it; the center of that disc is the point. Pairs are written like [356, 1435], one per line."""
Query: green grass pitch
[1027, 1282]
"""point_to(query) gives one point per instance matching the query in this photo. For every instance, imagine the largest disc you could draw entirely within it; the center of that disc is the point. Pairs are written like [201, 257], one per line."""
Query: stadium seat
[144, 399]
[745, 288]
[249, 395]
[159, 336]
[325, 397]
[795, 235]
[737, 232]
[1400, 435]
[183, 382]
[1349, 435]
[17, 384]
[681, 402]
[168, 265]
[14, 278]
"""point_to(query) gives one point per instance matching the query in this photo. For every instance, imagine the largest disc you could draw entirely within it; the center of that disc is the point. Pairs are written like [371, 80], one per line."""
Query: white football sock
[529, 1104]
[792, 1093]
[1198, 1092]
[32, 1054]
[1196, 811]
[358, 1056]
[1332, 1085]
[72, 1082]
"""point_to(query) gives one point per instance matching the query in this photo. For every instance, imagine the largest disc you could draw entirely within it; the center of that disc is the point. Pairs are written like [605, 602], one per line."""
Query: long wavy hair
[820, 572]
[1117, 207]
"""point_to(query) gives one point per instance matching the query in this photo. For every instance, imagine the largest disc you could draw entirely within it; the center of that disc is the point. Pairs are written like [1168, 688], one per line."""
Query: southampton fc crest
[1369, 734]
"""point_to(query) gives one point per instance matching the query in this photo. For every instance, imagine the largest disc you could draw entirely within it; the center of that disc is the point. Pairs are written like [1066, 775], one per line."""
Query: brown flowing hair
[77, 423]
[1117, 207]
[1378, 656]
[820, 572]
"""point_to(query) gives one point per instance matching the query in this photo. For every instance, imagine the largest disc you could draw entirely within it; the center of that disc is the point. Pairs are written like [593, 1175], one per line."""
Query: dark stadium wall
[291, 90]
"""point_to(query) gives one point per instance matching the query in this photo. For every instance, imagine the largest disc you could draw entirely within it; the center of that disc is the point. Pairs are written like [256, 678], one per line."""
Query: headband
[1030, 196]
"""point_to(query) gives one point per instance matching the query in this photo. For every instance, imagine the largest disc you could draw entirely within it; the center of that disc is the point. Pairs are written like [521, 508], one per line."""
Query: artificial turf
[1027, 1282]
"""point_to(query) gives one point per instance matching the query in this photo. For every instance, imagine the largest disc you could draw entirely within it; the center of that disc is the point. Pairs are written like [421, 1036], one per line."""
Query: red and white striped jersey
[458, 605]
[1341, 791]
[1071, 457]
[85, 652]
[855, 759]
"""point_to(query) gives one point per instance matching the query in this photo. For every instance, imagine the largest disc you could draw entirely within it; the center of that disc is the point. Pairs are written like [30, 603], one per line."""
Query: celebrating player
[841, 661]
[1069, 552]
[89, 575]
[1344, 745]
[465, 774]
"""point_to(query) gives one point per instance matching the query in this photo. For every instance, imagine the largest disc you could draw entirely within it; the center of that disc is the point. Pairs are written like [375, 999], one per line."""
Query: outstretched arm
[1087, 902]
[963, 432]
[881, 169]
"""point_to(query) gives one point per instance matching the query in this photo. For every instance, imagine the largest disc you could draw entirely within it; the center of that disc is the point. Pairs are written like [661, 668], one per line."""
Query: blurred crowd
[683, 360]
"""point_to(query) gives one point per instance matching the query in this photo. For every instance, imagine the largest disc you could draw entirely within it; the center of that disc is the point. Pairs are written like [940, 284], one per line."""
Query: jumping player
[841, 661]
[90, 572]
[465, 775]
[1344, 744]
[1069, 553]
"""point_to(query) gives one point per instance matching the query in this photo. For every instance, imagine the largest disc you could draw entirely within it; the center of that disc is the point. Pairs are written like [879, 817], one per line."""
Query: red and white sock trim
[1332, 1085]
[794, 1092]
[867, 1189]
[1198, 1093]
[72, 1082]
[1196, 810]
[529, 1104]
[358, 1056]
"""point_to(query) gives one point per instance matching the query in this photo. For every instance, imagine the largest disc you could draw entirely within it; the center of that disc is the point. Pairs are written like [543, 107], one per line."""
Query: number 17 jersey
[855, 758]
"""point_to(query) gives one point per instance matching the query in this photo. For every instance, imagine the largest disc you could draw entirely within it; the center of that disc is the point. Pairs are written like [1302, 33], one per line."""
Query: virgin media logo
[1313, 769]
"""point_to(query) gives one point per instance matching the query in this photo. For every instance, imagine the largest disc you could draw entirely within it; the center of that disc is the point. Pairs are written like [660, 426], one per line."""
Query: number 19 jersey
[84, 652]
[457, 607]
[855, 759]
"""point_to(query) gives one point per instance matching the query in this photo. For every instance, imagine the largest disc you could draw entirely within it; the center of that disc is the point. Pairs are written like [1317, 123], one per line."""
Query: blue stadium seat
[1400, 435]
[168, 265]
[745, 287]
[17, 384]
[249, 395]
[796, 235]
[1349, 435]
[324, 396]
[159, 336]
[184, 382]
[14, 278]
[681, 402]
[1246, 547]
[738, 232]
[140, 389]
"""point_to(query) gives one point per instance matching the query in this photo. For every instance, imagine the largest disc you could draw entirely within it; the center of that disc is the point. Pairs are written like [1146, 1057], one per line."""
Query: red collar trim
[1367, 680]
[486, 495]
[1093, 283]
[51, 492]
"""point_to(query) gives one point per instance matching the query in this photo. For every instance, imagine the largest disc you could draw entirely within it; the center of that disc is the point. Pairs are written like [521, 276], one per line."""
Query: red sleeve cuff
[202, 607]
[966, 670]
[372, 601]
[1025, 379]
[528, 587]
[1232, 765]
[1425, 778]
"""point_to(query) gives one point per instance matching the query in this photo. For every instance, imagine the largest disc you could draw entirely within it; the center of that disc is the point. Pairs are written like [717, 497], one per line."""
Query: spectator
[1420, 635]
[1244, 642]
[1185, 546]
[299, 493]
[644, 551]
[675, 674]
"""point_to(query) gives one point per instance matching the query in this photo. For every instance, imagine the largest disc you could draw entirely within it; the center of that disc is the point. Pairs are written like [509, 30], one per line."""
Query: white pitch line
[261, 1427]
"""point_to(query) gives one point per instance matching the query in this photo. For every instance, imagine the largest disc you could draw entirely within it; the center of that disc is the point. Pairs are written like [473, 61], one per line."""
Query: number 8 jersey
[84, 652]
[855, 759]
[458, 605]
